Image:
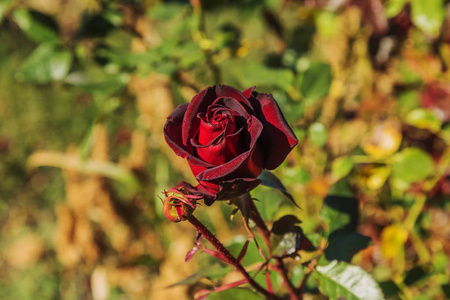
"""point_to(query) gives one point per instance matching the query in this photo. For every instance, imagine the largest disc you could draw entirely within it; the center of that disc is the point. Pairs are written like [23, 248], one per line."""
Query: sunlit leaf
[36, 31]
[268, 201]
[341, 166]
[393, 238]
[377, 177]
[428, 15]
[394, 7]
[212, 271]
[408, 101]
[166, 11]
[340, 280]
[236, 293]
[238, 244]
[286, 237]
[72, 162]
[87, 143]
[327, 24]
[260, 75]
[4, 7]
[318, 134]
[411, 165]
[47, 63]
[384, 140]
[97, 81]
[424, 119]
[316, 81]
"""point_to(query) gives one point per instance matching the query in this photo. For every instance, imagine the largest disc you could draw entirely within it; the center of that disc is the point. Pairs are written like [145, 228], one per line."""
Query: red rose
[228, 138]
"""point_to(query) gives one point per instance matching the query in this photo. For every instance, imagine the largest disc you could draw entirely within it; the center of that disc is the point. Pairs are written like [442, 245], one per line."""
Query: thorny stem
[280, 267]
[230, 258]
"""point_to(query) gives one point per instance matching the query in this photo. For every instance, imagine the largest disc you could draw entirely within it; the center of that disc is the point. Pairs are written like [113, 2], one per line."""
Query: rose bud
[180, 202]
[228, 138]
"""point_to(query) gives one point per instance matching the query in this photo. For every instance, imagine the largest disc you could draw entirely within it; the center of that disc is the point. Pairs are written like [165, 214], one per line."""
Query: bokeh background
[85, 89]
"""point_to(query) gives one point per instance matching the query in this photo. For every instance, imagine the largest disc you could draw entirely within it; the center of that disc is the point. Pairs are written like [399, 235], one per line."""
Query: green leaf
[340, 214]
[166, 11]
[96, 81]
[424, 119]
[428, 15]
[408, 101]
[87, 143]
[315, 82]
[411, 165]
[389, 288]
[340, 280]
[269, 201]
[341, 188]
[212, 271]
[343, 246]
[260, 75]
[341, 166]
[47, 63]
[252, 254]
[394, 7]
[318, 134]
[5, 5]
[286, 237]
[33, 29]
[89, 166]
[236, 293]
[270, 180]
[327, 24]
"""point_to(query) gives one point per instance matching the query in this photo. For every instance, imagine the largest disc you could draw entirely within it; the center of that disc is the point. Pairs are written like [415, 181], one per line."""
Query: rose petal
[248, 164]
[172, 134]
[199, 103]
[248, 92]
[202, 101]
[232, 105]
[277, 137]
[172, 130]
[225, 91]
[225, 150]
[209, 132]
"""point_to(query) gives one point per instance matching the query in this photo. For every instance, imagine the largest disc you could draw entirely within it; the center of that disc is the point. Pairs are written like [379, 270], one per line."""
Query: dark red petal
[225, 91]
[244, 165]
[209, 132]
[172, 134]
[196, 167]
[235, 106]
[172, 130]
[199, 103]
[219, 152]
[277, 137]
[248, 92]
[202, 101]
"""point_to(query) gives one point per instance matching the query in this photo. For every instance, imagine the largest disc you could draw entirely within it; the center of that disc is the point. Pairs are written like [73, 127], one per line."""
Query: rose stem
[256, 217]
[230, 258]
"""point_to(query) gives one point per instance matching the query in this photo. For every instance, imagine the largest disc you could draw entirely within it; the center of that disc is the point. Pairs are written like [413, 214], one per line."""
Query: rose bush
[228, 138]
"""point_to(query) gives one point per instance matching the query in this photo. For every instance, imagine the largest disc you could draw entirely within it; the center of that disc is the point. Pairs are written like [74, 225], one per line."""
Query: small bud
[180, 202]
[175, 209]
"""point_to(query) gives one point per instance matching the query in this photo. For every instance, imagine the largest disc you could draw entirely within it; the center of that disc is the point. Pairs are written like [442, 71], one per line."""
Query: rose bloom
[228, 137]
